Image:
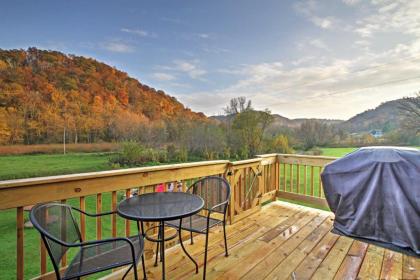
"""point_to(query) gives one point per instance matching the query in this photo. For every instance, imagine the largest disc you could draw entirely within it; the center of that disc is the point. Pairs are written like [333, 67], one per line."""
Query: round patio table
[160, 207]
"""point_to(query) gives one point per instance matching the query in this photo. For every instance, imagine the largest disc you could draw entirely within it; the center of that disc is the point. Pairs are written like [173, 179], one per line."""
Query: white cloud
[189, 67]
[216, 50]
[303, 60]
[338, 89]
[351, 2]
[117, 46]
[163, 76]
[204, 35]
[138, 32]
[324, 23]
[309, 9]
[402, 17]
[318, 43]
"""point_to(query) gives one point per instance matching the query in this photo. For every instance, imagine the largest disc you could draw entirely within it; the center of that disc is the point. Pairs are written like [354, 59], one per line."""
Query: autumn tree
[279, 144]
[314, 133]
[238, 105]
[410, 109]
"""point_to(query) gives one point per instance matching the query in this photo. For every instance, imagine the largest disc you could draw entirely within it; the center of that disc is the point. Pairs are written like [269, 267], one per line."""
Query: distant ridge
[283, 121]
[385, 117]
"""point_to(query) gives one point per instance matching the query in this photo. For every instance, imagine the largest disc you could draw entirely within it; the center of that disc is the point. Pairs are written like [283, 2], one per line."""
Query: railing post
[231, 178]
[127, 221]
[99, 219]
[114, 216]
[82, 203]
[261, 178]
[19, 244]
[277, 174]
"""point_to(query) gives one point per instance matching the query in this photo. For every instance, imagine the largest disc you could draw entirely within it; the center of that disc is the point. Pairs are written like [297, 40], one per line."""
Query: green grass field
[25, 166]
[337, 152]
[12, 167]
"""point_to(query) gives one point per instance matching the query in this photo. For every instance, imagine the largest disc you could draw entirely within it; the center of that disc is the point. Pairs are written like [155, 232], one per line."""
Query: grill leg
[191, 238]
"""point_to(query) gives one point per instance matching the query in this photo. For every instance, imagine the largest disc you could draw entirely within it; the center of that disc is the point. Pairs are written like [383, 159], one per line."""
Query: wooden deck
[287, 241]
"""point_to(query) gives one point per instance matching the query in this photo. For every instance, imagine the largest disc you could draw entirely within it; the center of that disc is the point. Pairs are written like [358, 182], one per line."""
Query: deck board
[284, 241]
[351, 264]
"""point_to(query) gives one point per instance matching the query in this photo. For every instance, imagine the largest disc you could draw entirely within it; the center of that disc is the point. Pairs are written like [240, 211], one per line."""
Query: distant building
[377, 133]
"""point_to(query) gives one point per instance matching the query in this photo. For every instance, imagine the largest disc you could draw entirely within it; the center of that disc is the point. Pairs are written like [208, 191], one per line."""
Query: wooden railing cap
[246, 161]
[100, 174]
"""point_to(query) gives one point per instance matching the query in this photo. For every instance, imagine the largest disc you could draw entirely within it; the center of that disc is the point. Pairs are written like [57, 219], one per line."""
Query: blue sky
[329, 59]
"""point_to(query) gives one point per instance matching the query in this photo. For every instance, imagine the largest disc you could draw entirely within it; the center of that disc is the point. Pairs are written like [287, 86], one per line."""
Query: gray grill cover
[375, 195]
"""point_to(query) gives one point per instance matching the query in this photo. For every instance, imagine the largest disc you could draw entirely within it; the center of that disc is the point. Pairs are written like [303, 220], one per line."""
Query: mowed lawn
[26, 166]
[337, 152]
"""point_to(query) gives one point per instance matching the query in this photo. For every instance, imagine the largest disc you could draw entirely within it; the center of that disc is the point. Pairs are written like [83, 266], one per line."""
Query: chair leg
[144, 267]
[125, 274]
[185, 251]
[136, 277]
[205, 255]
[224, 234]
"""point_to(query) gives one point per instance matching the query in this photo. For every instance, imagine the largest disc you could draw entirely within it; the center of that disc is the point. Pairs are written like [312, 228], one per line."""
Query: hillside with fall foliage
[46, 94]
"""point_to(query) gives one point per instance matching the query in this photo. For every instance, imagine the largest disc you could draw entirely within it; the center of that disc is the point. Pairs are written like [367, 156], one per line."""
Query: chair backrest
[58, 228]
[214, 190]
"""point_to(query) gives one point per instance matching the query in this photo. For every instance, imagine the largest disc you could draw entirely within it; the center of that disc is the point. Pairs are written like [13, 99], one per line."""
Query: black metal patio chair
[215, 192]
[60, 233]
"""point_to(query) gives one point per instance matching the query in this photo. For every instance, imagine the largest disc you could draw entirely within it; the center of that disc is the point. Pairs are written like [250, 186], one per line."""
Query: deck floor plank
[244, 254]
[391, 265]
[372, 263]
[411, 267]
[269, 263]
[283, 241]
[351, 264]
[308, 266]
[288, 265]
[330, 265]
[253, 247]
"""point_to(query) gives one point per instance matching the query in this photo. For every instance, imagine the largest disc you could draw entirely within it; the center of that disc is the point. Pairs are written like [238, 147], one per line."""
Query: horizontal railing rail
[253, 182]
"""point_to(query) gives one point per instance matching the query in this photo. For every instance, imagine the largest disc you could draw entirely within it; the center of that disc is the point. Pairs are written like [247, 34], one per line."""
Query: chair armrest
[108, 240]
[218, 205]
[94, 215]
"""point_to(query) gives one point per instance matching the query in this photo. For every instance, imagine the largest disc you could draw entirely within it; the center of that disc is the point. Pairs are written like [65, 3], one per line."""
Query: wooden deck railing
[300, 178]
[253, 182]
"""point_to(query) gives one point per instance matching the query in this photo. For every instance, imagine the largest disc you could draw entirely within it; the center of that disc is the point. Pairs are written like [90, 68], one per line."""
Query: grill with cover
[374, 193]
